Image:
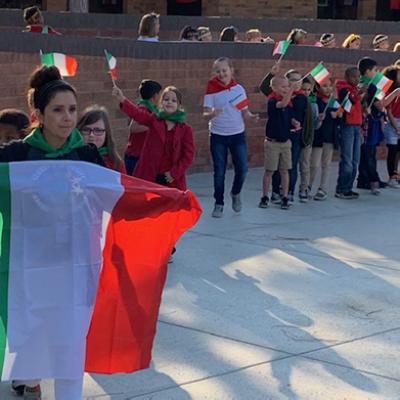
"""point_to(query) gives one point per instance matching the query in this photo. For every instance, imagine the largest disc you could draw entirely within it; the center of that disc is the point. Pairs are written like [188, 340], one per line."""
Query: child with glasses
[95, 128]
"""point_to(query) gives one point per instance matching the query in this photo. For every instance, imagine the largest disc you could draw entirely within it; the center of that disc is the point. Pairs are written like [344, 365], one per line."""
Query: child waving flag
[281, 48]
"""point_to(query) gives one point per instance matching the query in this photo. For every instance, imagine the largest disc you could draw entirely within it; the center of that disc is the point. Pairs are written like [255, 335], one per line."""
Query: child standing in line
[169, 147]
[310, 124]
[350, 136]
[13, 125]
[94, 126]
[301, 109]
[277, 145]
[150, 96]
[226, 106]
[325, 139]
[392, 128]
[371, 121]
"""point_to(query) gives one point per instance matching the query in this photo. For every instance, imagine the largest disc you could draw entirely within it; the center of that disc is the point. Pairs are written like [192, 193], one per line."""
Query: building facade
[388, 10]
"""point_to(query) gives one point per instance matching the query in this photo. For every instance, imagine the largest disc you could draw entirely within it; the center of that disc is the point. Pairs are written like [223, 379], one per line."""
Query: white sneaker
[218, 211]
[392, 183]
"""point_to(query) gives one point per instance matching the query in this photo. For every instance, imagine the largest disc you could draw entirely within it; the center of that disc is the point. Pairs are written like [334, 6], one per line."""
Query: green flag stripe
[5, 224]
[48, 59]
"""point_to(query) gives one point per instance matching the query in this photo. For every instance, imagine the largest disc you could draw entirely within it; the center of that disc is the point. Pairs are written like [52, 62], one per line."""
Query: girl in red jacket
[95, 128]
[169, 147]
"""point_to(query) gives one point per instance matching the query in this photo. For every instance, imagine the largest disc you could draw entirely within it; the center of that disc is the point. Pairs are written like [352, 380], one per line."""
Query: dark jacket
[18, 150]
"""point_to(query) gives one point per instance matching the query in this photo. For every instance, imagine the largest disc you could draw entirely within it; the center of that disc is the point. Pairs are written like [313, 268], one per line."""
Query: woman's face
[355, 44]
[223, 72]
[94, 133]
[59, 117]
[169, 102]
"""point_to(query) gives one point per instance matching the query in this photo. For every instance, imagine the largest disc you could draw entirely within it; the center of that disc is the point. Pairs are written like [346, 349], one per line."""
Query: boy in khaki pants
[277, 144]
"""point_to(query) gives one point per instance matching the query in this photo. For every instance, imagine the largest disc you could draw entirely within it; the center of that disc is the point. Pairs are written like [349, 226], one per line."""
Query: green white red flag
[83, 251]
[281, 47]
[381, 82]
[333, 103]
[67, 65]
[320, 74]
[112, 65]
[347, 104]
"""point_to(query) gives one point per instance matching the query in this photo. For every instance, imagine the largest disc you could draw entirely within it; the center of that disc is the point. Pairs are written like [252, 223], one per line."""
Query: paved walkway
[270, 304]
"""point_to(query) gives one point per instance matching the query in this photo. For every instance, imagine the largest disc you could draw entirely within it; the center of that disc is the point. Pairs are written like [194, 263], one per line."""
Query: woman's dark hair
[96, 113]
[45, 82]
[391, 72]
[149, 88]
[228, 34]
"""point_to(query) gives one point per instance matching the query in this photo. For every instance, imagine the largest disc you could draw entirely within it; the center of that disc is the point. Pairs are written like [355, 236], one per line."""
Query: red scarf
[278, 97]
[323, 97]
[215, 85]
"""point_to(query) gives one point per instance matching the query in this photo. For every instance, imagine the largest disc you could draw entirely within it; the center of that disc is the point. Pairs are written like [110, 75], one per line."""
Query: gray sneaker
[236, 202]
[320, 195]
[218, 211]
[275, 198]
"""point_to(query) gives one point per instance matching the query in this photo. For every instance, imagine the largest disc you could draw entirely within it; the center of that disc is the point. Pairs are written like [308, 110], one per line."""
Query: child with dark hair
[95, 127]
[150, 95]
[381, 43]
[13, 125]
[372, 130]
[229, 34]
[189, 34]
[35, 22]
[350, 136]
[328, 40]
[325, 139]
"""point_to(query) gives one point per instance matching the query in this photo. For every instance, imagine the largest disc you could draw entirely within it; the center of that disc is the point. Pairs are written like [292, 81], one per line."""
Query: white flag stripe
[63, 260]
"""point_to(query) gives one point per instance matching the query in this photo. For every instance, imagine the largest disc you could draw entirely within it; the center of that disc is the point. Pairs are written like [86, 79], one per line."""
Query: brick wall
[242, 8]
[93, 86]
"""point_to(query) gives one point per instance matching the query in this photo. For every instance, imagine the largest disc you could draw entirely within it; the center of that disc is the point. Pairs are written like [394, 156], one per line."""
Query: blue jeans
[130, 163]
[219, 146]
[276, 178]
[350, 144]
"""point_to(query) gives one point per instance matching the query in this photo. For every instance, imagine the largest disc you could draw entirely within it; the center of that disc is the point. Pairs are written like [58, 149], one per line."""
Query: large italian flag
[83, 255]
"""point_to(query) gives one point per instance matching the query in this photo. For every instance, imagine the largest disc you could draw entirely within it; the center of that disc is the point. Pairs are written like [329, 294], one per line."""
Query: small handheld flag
[281, 48]
[66, 64]
[333, 103]
[346, 103]
[240, 101]
[381, 82]
[112, 65]
[320, 74]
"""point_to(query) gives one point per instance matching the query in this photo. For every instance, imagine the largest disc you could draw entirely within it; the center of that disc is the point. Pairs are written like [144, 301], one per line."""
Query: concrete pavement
[270, 304]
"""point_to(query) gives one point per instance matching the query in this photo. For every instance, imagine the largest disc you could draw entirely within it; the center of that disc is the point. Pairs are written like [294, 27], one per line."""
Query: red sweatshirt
[354, 117]
[153, 153]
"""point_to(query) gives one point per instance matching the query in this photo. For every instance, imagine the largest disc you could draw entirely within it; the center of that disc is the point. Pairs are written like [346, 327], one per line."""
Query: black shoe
[355, 194]
[345, 196]
[18, 390]
[382, 185]
[264, 202]
[285, 203]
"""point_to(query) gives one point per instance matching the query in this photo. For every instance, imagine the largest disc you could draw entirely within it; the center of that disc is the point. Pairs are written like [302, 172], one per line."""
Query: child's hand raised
[276, 68]
[118, 94]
